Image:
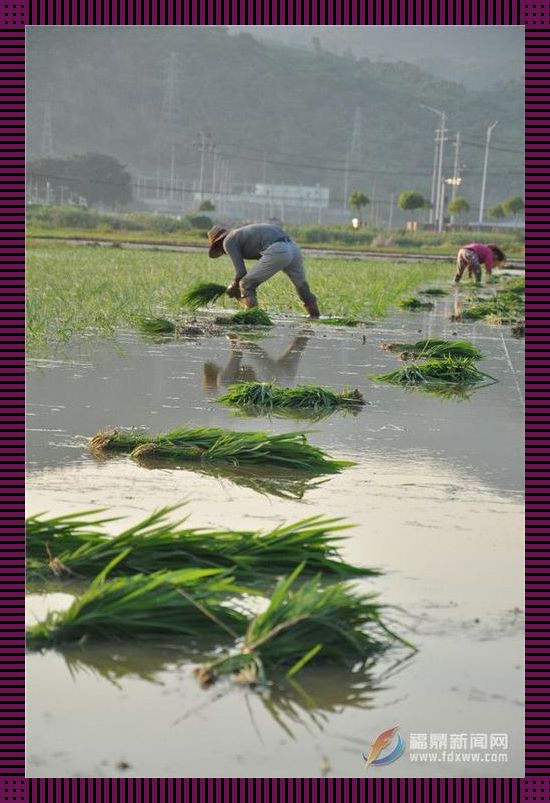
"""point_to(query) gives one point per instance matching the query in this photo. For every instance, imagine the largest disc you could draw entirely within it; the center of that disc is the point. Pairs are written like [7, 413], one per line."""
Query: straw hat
[215, 238]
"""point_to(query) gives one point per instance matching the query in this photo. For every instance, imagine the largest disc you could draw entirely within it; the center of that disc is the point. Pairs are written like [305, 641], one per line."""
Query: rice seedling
[414, 304]
[305, 623]
[213, 445]
[156, 326]
[72, 530]
[267, 396]
[201, 294]
[434, 347]
[506, 307]
[159, 605]
[247, 317]
[460, 371]
[435, 292]
[155, 543]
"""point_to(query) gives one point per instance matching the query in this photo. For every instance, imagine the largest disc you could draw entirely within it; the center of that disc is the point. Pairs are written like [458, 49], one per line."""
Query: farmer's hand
[233, 290]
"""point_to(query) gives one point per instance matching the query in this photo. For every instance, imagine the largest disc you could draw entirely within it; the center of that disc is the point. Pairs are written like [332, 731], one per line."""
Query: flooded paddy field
[436, 497]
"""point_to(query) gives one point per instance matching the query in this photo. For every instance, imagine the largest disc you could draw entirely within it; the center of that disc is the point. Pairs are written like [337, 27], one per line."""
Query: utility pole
[456, 170]
[355, 153]
[438, 160]
[485, 162]
[440, 187]
[170, 113]
[373, 205]
[346, 183]
[390, 217]
[204, 143]
[434, 177]
[46, 146]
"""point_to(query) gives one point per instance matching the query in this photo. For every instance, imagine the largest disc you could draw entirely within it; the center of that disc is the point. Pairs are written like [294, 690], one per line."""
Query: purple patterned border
[14, 15]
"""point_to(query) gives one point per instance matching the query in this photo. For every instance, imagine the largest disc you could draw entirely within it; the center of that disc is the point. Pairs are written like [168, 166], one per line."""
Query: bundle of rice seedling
[201, 294]
[414, 304]
[434, 347]
[155, 543]
[247, 317]
[305, 623]
[156, 326]
[435, 292]
[290, 449]
[166, 603]
[267, 395]
[71, 531]
[460, 371]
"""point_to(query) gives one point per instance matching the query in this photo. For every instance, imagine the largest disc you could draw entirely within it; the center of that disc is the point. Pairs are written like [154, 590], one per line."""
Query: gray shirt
[248, 242]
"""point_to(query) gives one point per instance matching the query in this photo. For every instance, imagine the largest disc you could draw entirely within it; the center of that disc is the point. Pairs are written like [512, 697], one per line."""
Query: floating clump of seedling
[434, 347]
[339, 321]
[435, 292]
[80, 547]
[163, 604]
[202, 294]
[459, 371]
[267, 396]
[247, 317]
[507, 306]
[213, 445]
[156, 326]
[414, 304]
[306, 623]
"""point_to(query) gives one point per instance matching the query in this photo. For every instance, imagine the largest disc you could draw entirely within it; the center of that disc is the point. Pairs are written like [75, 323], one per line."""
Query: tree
[100, 179]
[458, 206]
[410, 200]
[513, 205]
[496, 212]
[356, 201]
[206, 206]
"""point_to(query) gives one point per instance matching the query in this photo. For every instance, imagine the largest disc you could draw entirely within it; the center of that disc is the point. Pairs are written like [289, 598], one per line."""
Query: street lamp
[438, 161]
[485, 162]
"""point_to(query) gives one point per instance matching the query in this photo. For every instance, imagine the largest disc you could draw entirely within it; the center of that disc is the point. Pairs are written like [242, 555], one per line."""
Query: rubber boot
[312, 309]
[250, 300]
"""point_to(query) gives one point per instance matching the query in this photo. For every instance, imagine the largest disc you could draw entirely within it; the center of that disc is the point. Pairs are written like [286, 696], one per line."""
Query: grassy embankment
[191, 230]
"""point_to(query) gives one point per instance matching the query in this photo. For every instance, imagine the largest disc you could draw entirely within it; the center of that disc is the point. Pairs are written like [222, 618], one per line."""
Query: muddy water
[437, 499]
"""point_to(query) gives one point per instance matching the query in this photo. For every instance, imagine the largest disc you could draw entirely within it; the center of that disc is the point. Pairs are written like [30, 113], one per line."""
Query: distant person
[274, 250]
[473, 256]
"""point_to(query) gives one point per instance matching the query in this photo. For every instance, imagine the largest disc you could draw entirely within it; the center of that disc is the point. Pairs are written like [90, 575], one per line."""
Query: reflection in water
[311, 700]
[321, 692]
[268, 480]
[113, 662]
[283, 369]
[295, 414]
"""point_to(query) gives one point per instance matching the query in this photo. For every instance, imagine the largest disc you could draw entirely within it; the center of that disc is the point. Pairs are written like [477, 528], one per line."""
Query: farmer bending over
[273, 249]
[475, 255]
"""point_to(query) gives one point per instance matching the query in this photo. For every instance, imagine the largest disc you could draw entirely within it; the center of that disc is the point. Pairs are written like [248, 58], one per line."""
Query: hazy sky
[477, 56]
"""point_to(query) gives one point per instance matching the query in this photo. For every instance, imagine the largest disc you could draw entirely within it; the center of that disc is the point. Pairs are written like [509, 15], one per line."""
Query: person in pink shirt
[474, 255]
